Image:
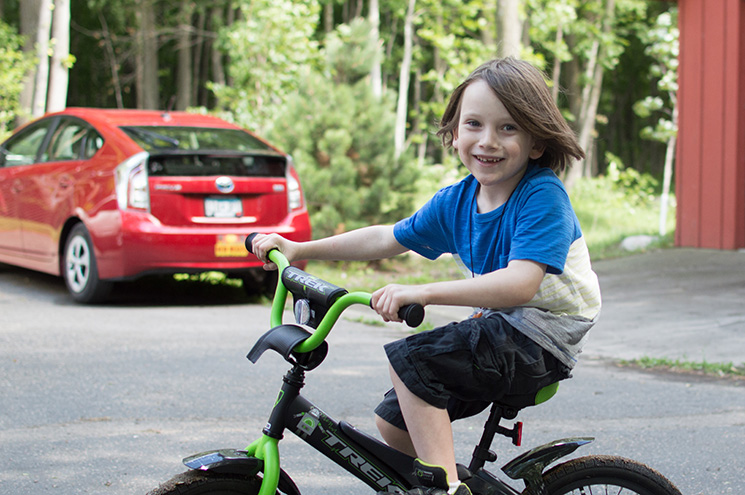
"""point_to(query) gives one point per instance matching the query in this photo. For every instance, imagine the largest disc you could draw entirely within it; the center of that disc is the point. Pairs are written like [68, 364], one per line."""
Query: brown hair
[523, 91]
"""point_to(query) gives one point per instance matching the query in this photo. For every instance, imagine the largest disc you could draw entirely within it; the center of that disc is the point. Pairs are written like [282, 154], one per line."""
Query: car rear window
[203, 152]
[153, 138]
[204, 164]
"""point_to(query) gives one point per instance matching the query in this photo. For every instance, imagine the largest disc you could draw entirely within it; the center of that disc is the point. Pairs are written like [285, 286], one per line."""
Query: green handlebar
[412, 314]
[333, 314]
[280, 294]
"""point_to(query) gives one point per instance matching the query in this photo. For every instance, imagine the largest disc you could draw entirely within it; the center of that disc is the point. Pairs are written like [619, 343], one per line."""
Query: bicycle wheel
[595, 475]
[200, 483]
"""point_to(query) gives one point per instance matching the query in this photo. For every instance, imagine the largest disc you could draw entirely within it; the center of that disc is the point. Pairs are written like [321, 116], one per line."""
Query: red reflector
[518, 440]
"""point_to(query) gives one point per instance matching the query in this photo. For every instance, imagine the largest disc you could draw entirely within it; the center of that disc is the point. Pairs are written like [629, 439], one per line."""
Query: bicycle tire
[201, 483]
[592, 475]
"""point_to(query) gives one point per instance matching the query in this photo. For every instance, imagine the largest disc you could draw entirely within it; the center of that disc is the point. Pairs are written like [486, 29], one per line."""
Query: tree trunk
[113, 61]
[41, 81]
[59, 69]
[591, 99]
[184, 48]
[668, 174]
[201, 65]
[216, 57]
[489, 32]
[376, 82]
[403, 82]
[556, 72]
[328, 17]
[147, 57]
[509, 21]
[29, 21]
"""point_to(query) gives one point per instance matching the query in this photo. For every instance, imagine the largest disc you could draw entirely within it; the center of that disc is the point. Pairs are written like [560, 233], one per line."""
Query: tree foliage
[270, 49]
[261, 62]
[339, 133]
[15, 63]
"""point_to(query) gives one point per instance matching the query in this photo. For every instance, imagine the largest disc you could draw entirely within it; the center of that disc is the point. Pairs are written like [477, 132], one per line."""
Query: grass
[704, 368]
[608, 214]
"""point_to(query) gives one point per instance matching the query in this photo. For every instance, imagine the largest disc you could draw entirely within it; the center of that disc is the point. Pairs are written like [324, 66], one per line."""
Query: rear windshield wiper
[152, 137]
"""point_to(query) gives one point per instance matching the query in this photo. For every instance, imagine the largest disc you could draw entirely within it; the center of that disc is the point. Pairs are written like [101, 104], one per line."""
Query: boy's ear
[537, 151]
[455, 140]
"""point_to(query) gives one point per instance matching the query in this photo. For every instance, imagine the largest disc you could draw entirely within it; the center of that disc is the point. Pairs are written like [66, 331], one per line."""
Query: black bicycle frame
[373, 462]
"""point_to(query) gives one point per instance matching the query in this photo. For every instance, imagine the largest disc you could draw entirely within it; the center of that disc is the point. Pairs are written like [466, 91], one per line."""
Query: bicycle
[256, 469]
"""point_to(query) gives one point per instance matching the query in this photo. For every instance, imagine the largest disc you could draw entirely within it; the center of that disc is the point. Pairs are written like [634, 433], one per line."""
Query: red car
[98, 196]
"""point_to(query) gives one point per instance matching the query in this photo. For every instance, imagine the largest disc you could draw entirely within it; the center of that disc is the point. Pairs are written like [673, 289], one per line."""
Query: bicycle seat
[521, 401]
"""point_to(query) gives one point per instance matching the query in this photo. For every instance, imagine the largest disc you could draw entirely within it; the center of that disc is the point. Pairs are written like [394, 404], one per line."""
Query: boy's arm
[368, 243]
[511, 286]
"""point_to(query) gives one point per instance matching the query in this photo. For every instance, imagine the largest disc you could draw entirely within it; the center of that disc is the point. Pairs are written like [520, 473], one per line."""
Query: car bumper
[144, 246]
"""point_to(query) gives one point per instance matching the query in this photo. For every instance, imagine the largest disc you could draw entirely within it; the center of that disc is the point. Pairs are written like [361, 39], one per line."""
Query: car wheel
[80, 270]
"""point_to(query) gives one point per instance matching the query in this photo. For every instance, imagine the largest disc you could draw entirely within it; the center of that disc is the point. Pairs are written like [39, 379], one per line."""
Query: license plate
[219, 207]
[230, 246]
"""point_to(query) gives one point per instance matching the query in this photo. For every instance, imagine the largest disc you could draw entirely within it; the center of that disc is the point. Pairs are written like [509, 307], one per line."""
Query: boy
[511, 227]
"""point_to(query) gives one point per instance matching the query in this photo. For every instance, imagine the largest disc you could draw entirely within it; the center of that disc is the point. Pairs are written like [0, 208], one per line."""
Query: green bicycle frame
[266, 448]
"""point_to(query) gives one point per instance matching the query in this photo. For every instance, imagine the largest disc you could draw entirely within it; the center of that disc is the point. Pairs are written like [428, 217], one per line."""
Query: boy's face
[491, 145]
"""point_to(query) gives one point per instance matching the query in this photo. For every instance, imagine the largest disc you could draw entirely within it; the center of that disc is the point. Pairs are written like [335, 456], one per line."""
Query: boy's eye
[509, 127]
[472, 123]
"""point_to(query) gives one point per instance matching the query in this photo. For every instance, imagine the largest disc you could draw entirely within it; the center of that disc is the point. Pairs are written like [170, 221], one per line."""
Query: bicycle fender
[531, 464]
[235, 461]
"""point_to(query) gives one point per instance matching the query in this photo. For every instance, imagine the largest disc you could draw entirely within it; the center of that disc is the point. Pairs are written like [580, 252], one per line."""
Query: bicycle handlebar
[411, 314]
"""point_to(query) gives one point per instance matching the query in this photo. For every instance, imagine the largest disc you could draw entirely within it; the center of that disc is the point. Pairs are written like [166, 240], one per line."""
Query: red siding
[710, 164]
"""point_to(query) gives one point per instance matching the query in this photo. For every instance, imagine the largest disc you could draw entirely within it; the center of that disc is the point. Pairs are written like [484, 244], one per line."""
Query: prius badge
[224, 184]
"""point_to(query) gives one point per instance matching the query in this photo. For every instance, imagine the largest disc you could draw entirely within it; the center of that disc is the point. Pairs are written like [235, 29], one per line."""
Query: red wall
[710, 163]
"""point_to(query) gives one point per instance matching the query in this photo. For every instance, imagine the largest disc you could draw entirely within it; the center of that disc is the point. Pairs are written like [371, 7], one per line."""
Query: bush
[341, 139]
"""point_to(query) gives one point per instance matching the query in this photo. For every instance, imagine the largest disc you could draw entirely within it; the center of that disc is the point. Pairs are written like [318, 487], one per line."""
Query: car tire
[79, 268]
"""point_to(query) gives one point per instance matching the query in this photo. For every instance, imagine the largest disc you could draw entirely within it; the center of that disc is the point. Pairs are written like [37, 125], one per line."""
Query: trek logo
[309, 281]
[359, 462]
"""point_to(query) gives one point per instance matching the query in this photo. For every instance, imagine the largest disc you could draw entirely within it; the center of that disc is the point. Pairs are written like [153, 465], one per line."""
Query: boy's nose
[489, 139]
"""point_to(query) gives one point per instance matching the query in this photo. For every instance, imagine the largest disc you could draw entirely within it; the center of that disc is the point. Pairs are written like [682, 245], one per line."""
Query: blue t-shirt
[536, 223]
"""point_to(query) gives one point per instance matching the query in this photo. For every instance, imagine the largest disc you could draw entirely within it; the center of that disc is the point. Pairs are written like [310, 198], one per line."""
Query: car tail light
[132, 190]
[294, 192]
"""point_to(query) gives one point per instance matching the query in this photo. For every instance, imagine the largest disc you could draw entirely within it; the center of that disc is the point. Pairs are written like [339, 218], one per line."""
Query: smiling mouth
[487, 159]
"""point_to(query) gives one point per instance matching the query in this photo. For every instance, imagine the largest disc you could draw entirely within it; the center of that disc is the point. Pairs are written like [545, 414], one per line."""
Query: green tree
[15, 65]
[340, 135]
[270, 48]
[663, 48]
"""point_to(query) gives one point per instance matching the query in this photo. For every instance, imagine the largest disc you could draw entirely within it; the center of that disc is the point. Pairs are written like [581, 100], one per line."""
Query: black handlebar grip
[412, 314]
[250, 241]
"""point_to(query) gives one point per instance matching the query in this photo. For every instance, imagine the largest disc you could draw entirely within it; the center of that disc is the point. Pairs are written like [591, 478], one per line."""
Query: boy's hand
[388, 300]
[263, 243]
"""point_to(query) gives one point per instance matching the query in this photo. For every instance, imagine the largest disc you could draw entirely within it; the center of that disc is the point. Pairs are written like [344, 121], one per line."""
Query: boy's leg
[429, 428]
[395, 437]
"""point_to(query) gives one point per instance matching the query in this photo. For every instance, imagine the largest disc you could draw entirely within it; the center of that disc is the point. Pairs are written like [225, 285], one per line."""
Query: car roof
[114, 118]
[123, 117]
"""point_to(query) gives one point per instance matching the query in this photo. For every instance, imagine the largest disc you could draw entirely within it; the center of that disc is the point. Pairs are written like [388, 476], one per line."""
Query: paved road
[108, 399]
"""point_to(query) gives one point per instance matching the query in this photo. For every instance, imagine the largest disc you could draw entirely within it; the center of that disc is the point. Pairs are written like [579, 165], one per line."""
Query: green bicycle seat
[520, 401]
[546, 393]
